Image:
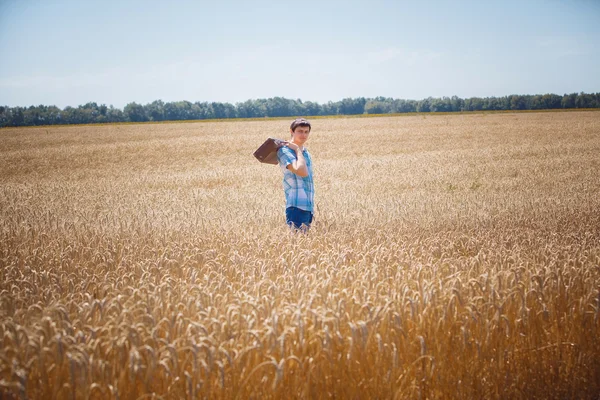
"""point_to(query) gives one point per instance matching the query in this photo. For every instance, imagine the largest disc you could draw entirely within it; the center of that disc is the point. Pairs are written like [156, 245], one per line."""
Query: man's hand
[292, 146]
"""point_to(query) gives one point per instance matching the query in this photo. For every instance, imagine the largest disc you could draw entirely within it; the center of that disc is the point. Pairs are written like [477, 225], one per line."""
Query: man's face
[300, 135]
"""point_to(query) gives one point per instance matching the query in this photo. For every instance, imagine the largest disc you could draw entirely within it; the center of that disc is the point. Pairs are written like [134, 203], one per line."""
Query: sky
[68, 53]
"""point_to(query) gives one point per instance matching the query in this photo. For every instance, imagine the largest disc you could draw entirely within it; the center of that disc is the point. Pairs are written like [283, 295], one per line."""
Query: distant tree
[71, 115]
[4, 116]
[196, 111]
[184, 110]
[281, 107]
[114, 115]
[178, 111]
[18, 115]
[457, 103]
[550, 101]
[155, 110]
[311, 108]
[535, 103]
[424, 105]
[219, 110]
[596, 100]
[223, 110]
[493, 103]
[91, 112]
[327, 109]
[207, 110]
[135, 112]
[32, 116]
[517, 102]
[249, 109]
[584, 100]
[377, 106]
[477, 103]
[229, 110]
[350, 106]
[568, 100]
[440, 105]
[596, 97]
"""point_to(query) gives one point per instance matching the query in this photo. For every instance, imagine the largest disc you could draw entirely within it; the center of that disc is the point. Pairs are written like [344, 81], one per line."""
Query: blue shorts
[296, 218]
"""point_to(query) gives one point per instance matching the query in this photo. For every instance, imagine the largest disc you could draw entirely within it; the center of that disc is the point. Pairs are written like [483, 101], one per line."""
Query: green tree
[114, 115]
[155, 110]
[4, 116]
[568, 100]
[440, 105]
[223, 110]
[377, 106]
[249, 109]
[350, 106]
[312, 108]
[135, 112]
[517, 102]
[550, 101]
[424, 105]
[280, 107]
[584, 100]
[456, 103]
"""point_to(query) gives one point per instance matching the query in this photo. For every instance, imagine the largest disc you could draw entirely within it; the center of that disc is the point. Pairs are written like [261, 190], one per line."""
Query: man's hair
[299, 122]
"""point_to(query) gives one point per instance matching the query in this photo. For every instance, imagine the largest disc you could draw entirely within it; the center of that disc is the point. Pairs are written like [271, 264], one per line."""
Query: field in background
[453, 256]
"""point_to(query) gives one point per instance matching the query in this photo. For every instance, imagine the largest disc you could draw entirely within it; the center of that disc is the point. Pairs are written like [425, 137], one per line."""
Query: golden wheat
[453, 256]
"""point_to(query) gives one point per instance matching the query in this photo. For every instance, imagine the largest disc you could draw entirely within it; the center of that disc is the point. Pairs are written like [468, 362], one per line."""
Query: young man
[296, 164]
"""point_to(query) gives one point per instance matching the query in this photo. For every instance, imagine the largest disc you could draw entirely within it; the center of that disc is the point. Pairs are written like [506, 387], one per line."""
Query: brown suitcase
[267, 152]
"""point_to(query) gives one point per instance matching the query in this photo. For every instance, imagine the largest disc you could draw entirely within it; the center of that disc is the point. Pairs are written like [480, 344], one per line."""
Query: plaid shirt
[299, 191]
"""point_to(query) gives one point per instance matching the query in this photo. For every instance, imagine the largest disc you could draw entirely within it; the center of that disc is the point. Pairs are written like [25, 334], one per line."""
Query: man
[296, 164]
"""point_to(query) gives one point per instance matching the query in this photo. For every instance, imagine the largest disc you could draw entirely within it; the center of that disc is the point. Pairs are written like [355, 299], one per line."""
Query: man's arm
[298, 167]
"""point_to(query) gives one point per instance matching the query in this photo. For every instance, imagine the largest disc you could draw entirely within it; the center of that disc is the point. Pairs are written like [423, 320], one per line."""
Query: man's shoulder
[285, 151]
[285, 156]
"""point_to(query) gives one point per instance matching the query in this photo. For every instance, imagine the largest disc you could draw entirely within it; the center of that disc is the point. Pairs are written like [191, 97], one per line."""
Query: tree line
[158, 110]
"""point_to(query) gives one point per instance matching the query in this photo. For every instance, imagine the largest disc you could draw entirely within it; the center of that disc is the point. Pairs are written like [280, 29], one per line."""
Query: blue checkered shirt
[299, 191]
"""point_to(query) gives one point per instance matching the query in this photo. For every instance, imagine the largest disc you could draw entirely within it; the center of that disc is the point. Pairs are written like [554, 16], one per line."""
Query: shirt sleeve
[285, 156]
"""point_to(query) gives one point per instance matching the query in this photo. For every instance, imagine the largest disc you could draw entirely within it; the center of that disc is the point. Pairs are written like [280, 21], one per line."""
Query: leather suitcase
[267, 152]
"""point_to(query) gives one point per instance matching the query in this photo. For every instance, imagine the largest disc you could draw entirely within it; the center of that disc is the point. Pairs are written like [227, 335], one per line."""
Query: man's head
[299, 122]
[299, 130]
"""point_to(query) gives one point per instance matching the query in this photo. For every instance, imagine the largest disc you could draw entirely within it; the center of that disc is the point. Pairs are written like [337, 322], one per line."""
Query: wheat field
[451, 257]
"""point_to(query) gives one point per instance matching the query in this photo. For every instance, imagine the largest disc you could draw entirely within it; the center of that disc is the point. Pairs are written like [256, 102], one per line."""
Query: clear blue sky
[114, 52]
